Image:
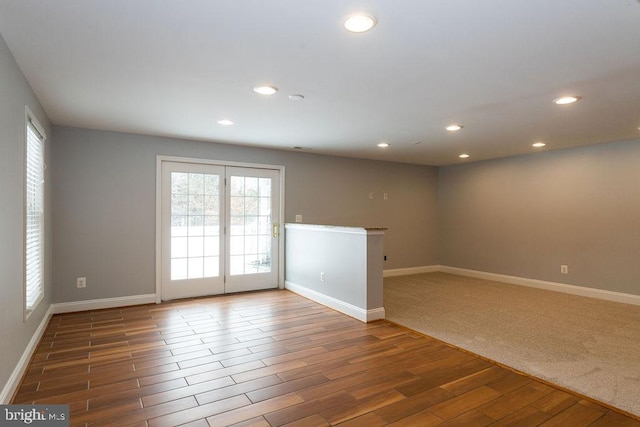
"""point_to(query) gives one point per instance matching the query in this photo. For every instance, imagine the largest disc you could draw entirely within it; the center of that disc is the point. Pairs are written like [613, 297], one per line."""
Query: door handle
[275, 230]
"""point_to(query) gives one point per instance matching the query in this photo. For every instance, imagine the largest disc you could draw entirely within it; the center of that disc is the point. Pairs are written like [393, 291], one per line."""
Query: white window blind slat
[34, 217]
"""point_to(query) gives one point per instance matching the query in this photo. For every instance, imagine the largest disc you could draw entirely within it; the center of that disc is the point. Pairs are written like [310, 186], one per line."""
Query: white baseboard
[375, 314]
[551, 286]
[411, 270]
[16, 376]
[341, 306]
[97, 304]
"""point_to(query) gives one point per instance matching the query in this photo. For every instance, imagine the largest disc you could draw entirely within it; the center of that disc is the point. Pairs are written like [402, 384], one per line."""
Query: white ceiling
[174, 67]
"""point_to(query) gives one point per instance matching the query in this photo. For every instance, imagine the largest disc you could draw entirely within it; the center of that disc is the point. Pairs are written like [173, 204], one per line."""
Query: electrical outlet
[322, 276]
[564, 269]
[385, 196]
[371, 195]
[81, 282]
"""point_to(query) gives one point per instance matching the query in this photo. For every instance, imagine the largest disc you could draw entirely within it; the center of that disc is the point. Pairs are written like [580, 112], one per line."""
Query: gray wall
[525, 216]
[15, 333]
[104, 205]
[341, 255]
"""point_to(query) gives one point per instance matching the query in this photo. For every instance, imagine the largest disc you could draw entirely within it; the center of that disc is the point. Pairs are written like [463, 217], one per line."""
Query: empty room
[320, 213]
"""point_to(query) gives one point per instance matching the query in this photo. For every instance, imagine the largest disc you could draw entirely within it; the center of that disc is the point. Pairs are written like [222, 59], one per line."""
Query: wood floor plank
[107, 412]
[471, 418]
[314, 420]
[524, 417]
[254, 422]
[273, 358]
[286, 387]
[512, 401]
[182, 405]
[577, 415]
[383, 382]
[474, 380]
[232, 360]
[615, 419]
[202, 411]
[369, 419]
[441, 373]
[268, 370]
[350, 410]
[251, 411]
[555, 402]
[508, 382]
[421, 419]
[237, 389]
[91, 393]
[465, 402]
[105, 396]
[219, 372]
[335, 386]
[308, 408]
[414, 404]
[168, 394]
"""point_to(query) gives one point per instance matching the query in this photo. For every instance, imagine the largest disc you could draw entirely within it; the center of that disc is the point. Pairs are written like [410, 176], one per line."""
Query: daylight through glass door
[195, 225]
[250, 231]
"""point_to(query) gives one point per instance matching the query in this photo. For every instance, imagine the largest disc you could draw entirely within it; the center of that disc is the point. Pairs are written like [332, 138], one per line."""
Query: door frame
[161, 158]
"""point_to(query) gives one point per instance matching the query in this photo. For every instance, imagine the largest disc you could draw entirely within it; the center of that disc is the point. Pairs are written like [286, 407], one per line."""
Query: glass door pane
[253, 203]
[195, 225]
[250, 231]
[192, 222]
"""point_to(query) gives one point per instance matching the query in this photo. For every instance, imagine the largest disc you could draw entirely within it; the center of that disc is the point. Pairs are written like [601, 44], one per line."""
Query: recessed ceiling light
[464, 156]
[564, 100]
[265, 90]
[360, 23]
[453, 128]
[296, 97]
[538, 144]
[225, 122]
[383, 145]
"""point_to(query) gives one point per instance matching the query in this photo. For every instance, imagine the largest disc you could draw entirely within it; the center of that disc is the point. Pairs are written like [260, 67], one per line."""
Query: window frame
[32, 126]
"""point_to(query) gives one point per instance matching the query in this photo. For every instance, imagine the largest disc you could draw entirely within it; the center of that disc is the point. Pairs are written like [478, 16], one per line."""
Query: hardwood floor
[273, 358]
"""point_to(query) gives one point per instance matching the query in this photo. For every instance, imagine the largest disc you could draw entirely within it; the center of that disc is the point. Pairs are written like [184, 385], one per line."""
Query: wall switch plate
[81, 282]
[298, 218]
[371, 195]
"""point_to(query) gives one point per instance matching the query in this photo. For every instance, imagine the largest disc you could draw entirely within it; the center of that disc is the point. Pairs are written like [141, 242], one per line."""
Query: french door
[219, 229]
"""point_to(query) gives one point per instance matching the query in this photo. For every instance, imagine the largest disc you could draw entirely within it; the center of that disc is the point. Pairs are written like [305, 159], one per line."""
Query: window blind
[34, 217]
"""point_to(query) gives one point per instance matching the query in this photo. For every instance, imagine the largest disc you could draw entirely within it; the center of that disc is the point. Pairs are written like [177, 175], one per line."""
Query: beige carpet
[583, 344]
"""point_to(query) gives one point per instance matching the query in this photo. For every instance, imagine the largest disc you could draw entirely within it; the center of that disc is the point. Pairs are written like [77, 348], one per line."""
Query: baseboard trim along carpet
[522, 281]
[411, 270]
[97, 304]
[336, 304]
[550, 286]
[21, 367]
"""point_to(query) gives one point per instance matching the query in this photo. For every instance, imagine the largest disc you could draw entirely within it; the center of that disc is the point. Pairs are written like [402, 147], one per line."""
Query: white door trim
[161, 158]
